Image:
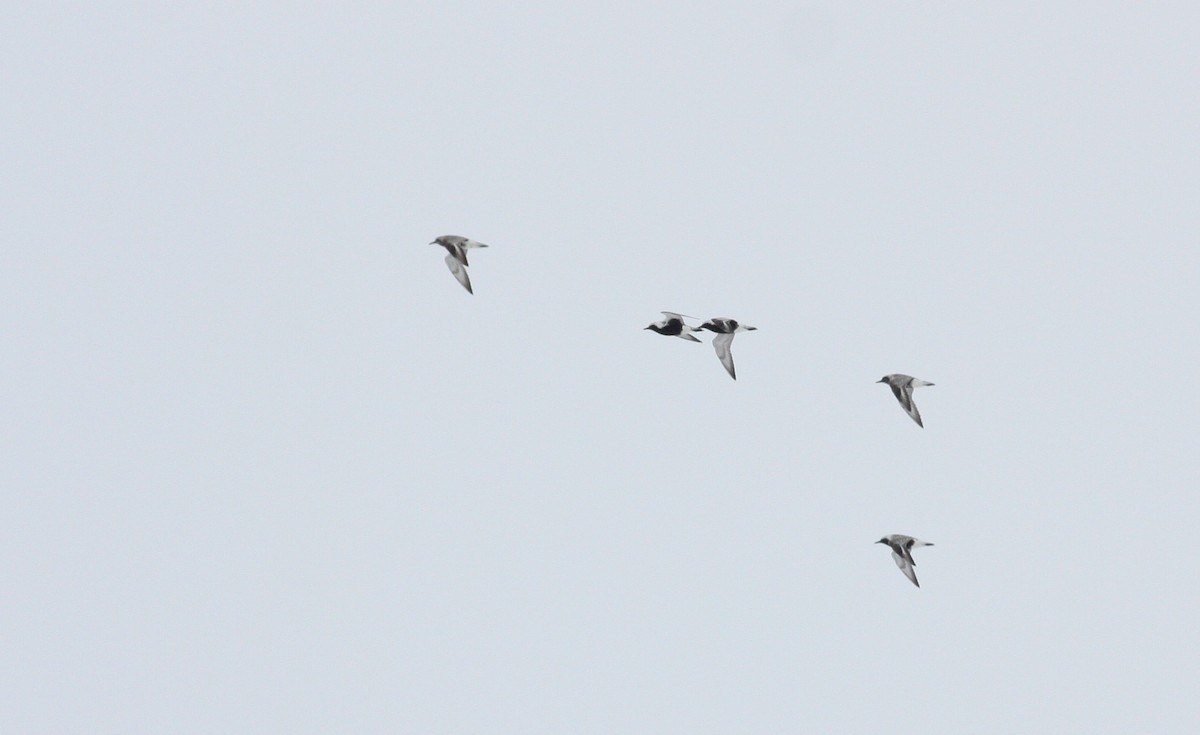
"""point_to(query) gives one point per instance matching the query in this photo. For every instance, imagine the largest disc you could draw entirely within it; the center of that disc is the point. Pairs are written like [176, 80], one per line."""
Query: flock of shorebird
[673, 325]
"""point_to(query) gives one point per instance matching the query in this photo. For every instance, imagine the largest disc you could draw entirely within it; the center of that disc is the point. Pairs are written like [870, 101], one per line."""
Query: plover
[903, 386]
[456, 261]
[902, 547]
[725, 329]
[673, 326]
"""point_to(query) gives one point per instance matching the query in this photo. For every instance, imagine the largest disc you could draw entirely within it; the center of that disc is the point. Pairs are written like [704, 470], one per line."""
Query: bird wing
[455, 250]
[904, 395]
[721, 344]
[906, 567]
[673, 315]
[459, 269]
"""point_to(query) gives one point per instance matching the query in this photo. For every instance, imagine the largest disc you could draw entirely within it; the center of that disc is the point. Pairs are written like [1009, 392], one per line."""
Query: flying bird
[903, 386]
[674, 326]
[725, 329]
[902, 547]
[456, 261]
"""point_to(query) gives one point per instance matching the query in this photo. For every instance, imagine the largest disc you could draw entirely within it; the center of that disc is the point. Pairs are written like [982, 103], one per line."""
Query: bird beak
[749, 328]
[880, 541]
[881, 380]
[645, 328]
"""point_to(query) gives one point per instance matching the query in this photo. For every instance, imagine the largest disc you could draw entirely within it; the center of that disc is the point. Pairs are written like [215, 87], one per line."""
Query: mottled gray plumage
[903, 387]
[902, 547]
[456, 261]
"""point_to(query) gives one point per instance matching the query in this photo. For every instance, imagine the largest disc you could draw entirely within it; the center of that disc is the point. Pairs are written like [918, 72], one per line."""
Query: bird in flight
[903, 386]
[456, 261]
[673, 326]
[902, 547]
[725, 329]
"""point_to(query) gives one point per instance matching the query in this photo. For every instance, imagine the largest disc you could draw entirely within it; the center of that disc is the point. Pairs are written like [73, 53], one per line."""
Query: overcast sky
[268, 468]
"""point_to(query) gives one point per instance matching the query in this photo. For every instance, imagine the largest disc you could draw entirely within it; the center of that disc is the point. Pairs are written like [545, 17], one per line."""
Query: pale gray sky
[268, 468]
